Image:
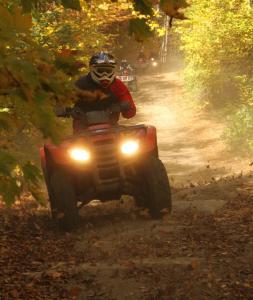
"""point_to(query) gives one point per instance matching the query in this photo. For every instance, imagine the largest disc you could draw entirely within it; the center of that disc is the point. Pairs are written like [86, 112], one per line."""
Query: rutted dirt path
[202, 251]
[189, 140]
[145, 259]
[181, 256]
[120, 253]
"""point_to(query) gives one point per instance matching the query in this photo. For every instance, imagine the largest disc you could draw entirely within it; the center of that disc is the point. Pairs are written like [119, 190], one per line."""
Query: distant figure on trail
[101, 80]
[124, 64]
[142, 56]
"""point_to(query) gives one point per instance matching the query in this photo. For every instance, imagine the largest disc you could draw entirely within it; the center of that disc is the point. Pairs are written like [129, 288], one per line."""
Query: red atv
[104, 161]
[128, 77]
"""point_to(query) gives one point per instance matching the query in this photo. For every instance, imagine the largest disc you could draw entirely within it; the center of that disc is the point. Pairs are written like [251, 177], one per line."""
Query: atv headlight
[154, 64]
[130, 147]
[79, 154]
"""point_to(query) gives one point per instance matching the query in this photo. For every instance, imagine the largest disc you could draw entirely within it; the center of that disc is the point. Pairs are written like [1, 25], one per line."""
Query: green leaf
[33, 177]
[27, 5]
[5, 122]
[7, 162]
[9, 189]
[143, 6]
[38, 195]
[41, 96]
[140, 29]
[73, 4]
[32, 173]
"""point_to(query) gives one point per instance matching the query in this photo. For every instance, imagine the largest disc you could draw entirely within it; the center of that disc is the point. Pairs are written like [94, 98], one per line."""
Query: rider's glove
[115, 108]
[125, 106]
[60, 111]
[64, 112]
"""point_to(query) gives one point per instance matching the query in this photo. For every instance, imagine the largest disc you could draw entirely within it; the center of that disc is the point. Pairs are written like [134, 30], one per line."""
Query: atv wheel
[155, 190]
[52, 201]
[64, 200]
[48, 169]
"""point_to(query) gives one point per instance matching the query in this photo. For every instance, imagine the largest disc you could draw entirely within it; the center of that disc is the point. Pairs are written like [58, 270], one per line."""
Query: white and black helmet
[102, 67]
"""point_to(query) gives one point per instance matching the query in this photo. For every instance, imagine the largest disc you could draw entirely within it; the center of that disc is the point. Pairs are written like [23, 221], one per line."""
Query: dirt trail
[133, 257]
[202, 251]
[189, 141]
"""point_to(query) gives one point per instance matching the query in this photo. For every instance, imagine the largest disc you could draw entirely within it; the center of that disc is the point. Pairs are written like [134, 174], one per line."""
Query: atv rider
[124, 64]
[102, 79]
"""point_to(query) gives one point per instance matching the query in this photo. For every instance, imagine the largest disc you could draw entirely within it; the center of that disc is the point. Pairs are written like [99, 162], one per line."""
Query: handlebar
[75, 112]
[63, 112]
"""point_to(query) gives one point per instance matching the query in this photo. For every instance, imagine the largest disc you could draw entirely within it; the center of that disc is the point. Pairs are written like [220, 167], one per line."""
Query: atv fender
[59, 154]
[42, 158]
[150, 140]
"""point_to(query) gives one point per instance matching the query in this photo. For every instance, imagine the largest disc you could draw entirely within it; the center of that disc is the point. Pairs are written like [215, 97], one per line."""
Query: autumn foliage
[44, 45]
[36, 74]
[217, 41]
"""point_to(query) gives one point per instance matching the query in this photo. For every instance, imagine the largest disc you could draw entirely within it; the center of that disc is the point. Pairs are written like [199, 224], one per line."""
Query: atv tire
[155, 191]
[51, 197]
[64, 198]
[47, 170]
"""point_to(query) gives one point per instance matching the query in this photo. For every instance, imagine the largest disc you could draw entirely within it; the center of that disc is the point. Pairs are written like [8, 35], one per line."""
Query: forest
[199, 96]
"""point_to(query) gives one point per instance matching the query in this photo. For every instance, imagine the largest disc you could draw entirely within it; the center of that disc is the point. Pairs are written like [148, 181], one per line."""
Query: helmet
[124, 63]
[102, 68]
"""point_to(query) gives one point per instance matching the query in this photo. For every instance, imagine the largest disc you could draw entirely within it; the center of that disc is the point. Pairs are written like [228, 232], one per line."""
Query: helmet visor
[103, 71]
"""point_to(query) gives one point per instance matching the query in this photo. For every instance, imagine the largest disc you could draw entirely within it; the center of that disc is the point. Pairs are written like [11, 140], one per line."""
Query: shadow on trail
[209, 232]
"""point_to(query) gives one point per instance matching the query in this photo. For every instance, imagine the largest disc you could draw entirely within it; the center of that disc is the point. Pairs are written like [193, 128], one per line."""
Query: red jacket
[119, 89]
[117, 92]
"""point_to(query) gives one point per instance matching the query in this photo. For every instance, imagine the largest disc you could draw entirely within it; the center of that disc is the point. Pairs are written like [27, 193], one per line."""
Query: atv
[128, 77]
[104, 161]
[154, 65]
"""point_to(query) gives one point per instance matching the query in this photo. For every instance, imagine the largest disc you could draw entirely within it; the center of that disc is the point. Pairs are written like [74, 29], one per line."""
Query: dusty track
[189, 140]
[202, 251]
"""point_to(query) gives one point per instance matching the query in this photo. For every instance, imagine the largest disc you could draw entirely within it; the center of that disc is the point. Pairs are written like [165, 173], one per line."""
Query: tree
[34, 77]
[43, 44]
[218, 44]
[30, 84]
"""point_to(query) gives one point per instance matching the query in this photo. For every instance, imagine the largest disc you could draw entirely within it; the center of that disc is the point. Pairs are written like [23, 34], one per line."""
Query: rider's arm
[122, 93]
